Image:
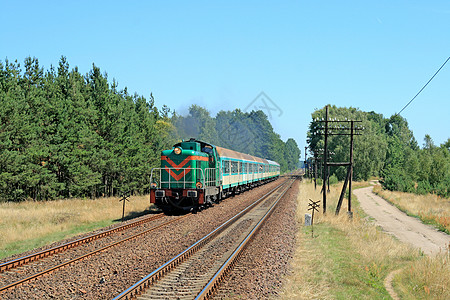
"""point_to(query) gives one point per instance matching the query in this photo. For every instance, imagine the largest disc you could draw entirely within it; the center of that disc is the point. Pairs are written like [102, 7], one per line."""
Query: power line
[424, 86]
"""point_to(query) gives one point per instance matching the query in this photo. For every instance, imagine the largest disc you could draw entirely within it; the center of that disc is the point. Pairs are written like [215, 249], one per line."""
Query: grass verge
[427, 278]
[350, 259]
[28, 225]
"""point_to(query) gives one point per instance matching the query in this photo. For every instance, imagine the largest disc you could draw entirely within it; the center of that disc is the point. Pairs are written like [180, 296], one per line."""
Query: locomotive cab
[187, 178]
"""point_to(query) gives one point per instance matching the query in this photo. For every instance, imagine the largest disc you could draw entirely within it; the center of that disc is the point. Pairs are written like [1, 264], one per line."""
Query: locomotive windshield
[207, 149]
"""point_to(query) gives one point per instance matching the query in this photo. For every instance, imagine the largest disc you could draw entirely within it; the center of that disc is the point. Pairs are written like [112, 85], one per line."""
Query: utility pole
[352, 127]
[315, 171]
[325, 154]
[328, 179]
[348, 180]
[306, 164]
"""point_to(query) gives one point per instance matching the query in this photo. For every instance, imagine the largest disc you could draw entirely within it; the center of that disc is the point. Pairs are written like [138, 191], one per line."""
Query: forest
[64, 134]
[387, 149]
[246, 132]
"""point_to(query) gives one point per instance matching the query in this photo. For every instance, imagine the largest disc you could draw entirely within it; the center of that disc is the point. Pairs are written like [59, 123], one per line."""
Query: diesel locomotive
[195, 174]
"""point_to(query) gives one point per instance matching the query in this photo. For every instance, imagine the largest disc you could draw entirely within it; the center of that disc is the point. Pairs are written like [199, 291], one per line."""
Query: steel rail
[61, 248]
[140, 286]
[19, 282]
[211, 287]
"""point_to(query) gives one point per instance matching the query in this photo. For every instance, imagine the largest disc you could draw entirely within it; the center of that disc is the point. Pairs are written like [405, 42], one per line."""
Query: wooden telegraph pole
[306, 164]
[344, 130]
[325, 166]
[315, 171]
[350, 177]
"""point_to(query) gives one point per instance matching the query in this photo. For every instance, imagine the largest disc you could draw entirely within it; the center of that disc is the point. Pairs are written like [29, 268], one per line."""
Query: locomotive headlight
[177, 150]
[199, 185]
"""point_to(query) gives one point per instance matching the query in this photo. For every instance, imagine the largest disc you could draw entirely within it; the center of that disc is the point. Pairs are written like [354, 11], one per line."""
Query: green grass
[342, 269]
[22, 246]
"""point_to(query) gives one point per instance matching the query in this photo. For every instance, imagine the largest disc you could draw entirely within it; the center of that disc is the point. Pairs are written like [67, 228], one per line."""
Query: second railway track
[198, 270]
[66, 246]
[24, 274]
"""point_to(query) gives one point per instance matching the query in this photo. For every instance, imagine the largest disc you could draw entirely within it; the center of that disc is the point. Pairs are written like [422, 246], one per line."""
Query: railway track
[21, 262]
[64, 247]
[198, 271]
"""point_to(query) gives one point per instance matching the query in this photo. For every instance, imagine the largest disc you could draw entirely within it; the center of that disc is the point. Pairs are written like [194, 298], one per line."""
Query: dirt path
[407, 229]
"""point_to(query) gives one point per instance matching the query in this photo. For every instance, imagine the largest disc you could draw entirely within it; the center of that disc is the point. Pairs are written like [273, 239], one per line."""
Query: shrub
[424, 187]
[333, 179]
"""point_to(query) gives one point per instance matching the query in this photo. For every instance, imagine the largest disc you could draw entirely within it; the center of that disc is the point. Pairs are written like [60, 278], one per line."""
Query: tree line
[387, 149]
[245, 132]
[64, 134]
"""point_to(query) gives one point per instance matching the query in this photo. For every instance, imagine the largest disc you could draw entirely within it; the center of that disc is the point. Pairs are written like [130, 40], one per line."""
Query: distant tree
[387, 148]
[292, 154]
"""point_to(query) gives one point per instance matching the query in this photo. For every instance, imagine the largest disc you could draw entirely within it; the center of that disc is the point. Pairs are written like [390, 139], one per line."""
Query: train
[195, 174]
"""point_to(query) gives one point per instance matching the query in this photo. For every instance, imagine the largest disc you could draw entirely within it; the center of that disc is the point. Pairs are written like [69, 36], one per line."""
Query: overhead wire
[423, 87]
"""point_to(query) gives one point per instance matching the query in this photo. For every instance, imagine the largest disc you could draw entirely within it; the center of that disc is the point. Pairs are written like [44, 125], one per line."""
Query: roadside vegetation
[387, 148]
[350, 259]
[31, 224]
[431, 209]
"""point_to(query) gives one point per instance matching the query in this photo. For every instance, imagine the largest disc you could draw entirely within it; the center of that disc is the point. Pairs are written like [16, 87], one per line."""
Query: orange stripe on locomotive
[179, 169]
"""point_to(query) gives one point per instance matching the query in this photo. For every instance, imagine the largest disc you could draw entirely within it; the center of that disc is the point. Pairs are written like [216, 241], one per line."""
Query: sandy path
[407, 229]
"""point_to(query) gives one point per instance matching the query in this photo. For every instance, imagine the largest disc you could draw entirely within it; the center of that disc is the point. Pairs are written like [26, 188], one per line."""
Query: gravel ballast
[105, 275]
[260, 270]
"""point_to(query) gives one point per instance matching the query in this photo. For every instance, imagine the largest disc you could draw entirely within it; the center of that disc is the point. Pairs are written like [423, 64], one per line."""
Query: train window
[226, 167]
[240, 167]
[234, 167]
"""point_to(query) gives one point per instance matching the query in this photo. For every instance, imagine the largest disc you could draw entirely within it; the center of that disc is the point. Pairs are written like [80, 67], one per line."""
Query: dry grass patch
[30, 224]
[427, 278]
[430, 208]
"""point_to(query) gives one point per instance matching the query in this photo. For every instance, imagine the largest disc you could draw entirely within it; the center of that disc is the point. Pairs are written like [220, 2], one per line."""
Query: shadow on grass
[136, 214]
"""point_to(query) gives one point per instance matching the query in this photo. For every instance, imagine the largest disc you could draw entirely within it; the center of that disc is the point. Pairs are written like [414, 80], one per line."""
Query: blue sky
[373, 55]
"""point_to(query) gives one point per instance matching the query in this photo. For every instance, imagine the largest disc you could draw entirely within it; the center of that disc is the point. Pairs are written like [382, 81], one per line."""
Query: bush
[442, 189]
[424, 187]
[396, 180]
[333, 179]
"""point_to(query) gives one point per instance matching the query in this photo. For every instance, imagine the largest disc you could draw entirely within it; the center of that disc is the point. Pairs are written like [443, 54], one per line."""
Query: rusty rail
[17, 283]
[211, 287]
[49, 252]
